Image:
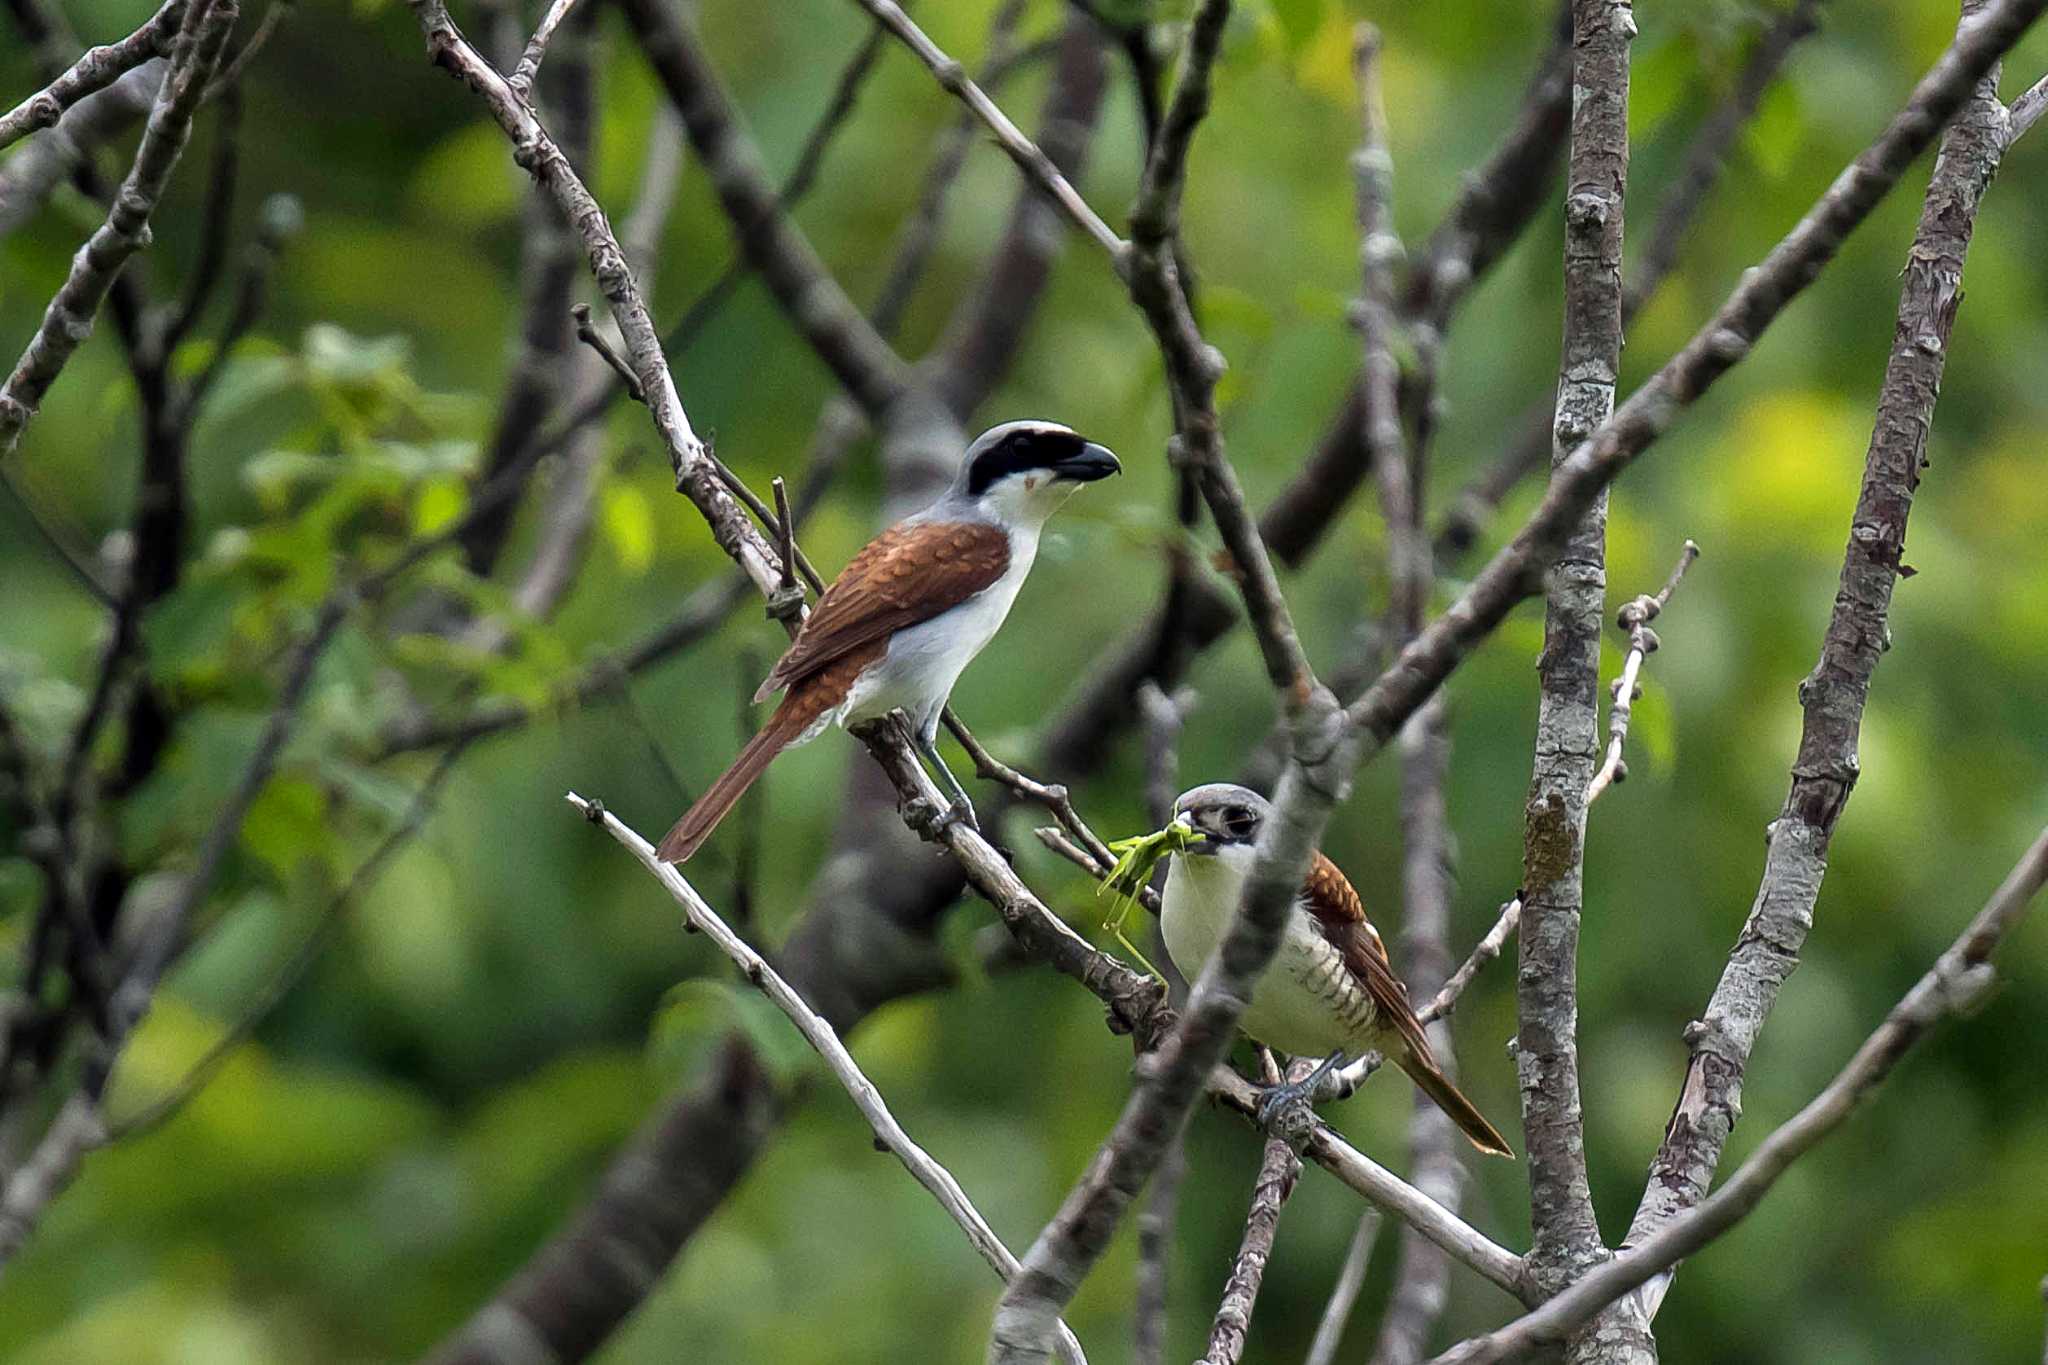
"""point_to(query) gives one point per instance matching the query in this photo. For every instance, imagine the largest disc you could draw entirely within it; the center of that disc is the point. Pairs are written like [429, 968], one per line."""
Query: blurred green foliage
[497, 1015]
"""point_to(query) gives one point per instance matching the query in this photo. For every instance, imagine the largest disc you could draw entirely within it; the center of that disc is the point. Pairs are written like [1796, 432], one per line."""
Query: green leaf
[438, 504]
[629, 527]
[188, 634]
[340, 357]
[288, 825]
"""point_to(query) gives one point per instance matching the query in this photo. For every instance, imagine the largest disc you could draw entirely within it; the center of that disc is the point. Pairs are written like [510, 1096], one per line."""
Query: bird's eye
[1239, 822]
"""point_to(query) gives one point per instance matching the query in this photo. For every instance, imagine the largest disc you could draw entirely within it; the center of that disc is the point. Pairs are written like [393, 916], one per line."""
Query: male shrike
[1331, 989]
[901, 622]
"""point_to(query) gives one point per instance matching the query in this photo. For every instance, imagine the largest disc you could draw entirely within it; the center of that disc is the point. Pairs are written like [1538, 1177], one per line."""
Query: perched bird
[1331, 989]
[901, 622]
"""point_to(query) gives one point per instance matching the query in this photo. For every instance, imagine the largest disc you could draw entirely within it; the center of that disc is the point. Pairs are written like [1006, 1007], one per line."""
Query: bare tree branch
[1029, 157]
[696, 475]
[1489, 948]
[1379, 252]
[1762, 294]
[528, 67]
[1279, 1169]
[1635, 618]
[539, 376]
[68, 320]
[565, 519]
[1162, 717]
[2027, 110]
[1344, 1294]
[96, 70]
[1955, 984]
[819, 1033]
[1566, 1235]
[1676, 211]
[858, 357]
[1833, 696]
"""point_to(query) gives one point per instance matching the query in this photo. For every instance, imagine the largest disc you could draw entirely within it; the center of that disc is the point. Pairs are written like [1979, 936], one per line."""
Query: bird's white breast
[1308, 1003]
[925, 660]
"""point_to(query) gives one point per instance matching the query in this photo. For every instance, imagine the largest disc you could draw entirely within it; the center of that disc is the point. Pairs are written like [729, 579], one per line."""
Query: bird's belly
[925, 660]
[1308, 1002]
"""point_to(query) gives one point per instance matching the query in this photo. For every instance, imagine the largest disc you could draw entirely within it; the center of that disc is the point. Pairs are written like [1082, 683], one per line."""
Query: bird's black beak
[1086, 465]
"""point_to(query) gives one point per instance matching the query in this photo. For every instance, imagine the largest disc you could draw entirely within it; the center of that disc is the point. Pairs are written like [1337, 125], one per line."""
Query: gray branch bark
[1957, 982]
[94, 71]
[1565, 1236]
[1833, 695]
[69, 318]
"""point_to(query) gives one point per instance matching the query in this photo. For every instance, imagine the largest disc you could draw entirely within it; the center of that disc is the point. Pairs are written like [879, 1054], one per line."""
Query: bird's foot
[931, 820]
[960, 812]
[1288, 1111]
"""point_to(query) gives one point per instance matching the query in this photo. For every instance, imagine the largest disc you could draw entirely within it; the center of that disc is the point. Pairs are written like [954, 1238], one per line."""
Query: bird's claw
[960, 812]
[1288, 1111]
[931, 820]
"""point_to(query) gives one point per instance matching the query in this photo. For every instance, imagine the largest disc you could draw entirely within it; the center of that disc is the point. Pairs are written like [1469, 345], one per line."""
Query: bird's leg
[928, 744]
[1288, 1108]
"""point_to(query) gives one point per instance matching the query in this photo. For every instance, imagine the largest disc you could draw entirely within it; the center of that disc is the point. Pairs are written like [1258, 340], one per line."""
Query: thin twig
[528, 67]
[2026, 111]
[822, 1036]
[587, 333]
[1344, 1294]
[68, 320]
[1958, 982]
[797, 183]
[266, 28]
[1021, 149]
[1052, 796]
[99, 68]
[1446, 1000]
[543, 159]
[1634, 618]
[197, 1076]
[74, 560]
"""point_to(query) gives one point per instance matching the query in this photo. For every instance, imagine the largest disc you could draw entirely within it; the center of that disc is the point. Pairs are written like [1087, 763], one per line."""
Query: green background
[495, 1017]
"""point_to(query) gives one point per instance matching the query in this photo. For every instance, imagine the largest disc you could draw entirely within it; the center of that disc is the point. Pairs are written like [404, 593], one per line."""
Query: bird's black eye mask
[1225, 825]
[1020, 451]
[1238, 824]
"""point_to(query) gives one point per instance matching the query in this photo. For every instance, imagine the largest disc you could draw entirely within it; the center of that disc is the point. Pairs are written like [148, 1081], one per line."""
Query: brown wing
[907, 574]
[1328, 895]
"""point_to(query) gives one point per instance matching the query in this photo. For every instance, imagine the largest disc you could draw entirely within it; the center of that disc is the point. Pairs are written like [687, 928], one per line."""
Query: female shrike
[902, 621]
[1331, 989]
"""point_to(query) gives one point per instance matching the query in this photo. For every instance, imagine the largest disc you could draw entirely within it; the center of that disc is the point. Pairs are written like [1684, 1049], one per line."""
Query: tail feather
[1430, 1079]
[700, 819]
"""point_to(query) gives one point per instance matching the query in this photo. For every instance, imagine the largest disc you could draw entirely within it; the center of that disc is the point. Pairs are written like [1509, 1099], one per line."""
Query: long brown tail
[690, 832]
[1430, 1079]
